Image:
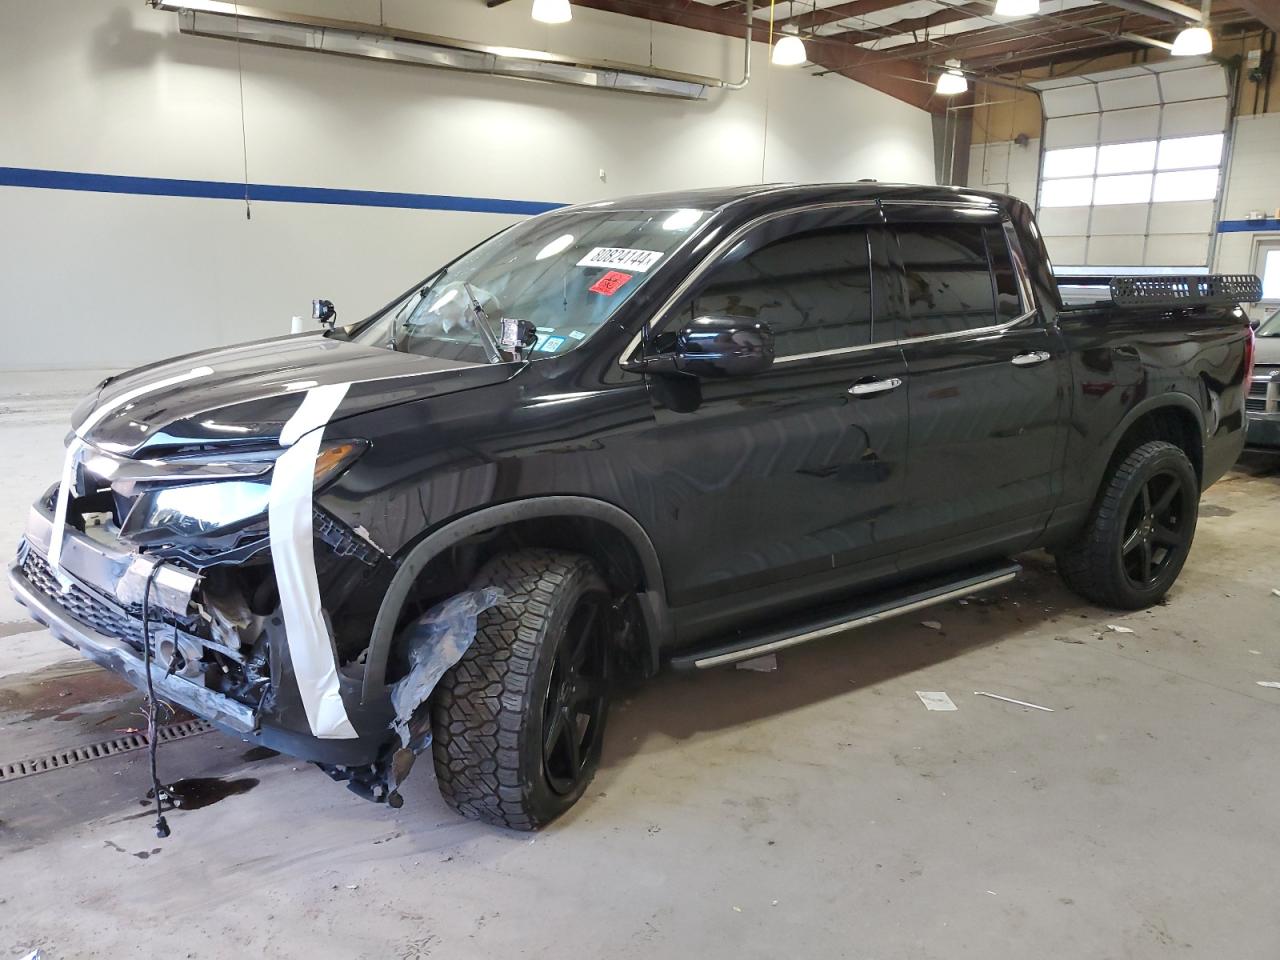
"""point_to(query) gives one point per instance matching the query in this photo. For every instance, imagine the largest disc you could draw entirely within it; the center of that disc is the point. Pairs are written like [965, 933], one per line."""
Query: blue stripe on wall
[1248, 226]
[223, 190]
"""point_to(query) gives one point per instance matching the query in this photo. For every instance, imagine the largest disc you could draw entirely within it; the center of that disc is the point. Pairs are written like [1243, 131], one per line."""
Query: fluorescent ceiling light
[230, 21]
[952, 81]
[789, 52]
[1017, 8]
[1193, 42]
[552, 11]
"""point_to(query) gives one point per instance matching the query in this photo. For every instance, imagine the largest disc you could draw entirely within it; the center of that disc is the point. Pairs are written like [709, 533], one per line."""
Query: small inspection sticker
[610, 283]
[621, 258]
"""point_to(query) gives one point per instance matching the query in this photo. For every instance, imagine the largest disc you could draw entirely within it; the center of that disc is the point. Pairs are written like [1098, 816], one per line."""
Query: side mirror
[715, 347]
[724, 347]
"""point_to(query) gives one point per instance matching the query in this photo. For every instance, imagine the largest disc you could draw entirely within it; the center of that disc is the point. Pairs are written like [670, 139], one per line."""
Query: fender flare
[653, 601]
[1171, 398]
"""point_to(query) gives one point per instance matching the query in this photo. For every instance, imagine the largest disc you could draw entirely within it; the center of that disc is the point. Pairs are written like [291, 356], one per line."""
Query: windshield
[565, 273]
[1270, 327]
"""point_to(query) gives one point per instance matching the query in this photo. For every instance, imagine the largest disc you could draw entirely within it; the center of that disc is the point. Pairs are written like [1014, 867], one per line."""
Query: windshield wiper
[482, 322]
[428, 285]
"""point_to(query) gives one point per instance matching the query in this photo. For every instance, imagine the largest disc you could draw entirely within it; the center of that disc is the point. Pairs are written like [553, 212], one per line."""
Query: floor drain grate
[96, 751]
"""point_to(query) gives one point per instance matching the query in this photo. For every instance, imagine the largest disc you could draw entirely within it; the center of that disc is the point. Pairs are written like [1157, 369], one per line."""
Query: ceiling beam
[840, 11]
[1266, 12]
[967, 11]
[907, 82]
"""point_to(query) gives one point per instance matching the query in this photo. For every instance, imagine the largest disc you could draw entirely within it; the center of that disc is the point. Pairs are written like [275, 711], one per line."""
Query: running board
[834, 619]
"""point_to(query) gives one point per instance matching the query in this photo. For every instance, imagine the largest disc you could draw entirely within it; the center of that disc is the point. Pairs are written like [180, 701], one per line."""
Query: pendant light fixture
[1017, 8]
[951, 81]
[789, 51]
[552, 11]
[1195, 41]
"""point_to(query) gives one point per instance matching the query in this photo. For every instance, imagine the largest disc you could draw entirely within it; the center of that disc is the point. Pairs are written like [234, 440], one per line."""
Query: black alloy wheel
[1155, 532]
[577, 698]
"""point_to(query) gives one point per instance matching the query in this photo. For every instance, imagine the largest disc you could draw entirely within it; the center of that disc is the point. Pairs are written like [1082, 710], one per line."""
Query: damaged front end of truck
[258, 603]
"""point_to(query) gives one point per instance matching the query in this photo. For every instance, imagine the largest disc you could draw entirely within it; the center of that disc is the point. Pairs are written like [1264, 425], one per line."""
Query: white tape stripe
[76, 448]
[311, 648]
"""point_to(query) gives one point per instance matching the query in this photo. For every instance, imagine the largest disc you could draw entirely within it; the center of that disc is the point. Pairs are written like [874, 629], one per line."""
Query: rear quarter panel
[1127, 363]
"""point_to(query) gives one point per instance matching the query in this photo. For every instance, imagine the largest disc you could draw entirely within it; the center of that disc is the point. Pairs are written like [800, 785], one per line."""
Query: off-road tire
[1093, 565]
[487, 712]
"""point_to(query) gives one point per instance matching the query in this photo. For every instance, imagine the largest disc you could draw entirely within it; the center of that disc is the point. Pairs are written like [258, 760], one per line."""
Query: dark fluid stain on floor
[1213, 510]
[197, 793]
[144, 855]
[49, 695]
[254, 754]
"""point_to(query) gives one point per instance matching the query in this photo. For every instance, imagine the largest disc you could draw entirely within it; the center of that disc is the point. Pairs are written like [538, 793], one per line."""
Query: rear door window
[948, 279]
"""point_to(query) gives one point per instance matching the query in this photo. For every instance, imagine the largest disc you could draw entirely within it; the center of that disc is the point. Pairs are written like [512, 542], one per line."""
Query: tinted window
[1008, 300]
[948, 282]
[813, 289]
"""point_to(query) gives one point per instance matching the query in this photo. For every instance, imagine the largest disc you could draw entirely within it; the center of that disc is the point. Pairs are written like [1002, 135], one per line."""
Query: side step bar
[856, 614]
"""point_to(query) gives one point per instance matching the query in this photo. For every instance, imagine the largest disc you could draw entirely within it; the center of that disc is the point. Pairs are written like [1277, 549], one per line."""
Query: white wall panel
[1194, 216]
[1194, 117]
[1114, 251]
[1128, 92]
[1064, 221]
[1119, 219]
[1066, 249]
[1124, 126]
[1178, 249]
[1193, 84]
[1079, 131]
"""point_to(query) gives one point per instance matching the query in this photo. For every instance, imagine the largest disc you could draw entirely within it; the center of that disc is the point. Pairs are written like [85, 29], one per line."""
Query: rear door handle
[867, 388]
[1030, 359]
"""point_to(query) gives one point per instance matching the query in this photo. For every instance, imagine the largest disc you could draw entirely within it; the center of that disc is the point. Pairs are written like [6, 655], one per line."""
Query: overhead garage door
[1132, 164]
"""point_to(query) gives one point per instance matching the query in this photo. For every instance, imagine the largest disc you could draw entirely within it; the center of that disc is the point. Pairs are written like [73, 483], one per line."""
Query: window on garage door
[1132, 167]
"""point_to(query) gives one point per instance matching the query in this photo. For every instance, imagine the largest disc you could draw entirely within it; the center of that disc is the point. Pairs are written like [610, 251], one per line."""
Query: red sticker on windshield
[610, 282]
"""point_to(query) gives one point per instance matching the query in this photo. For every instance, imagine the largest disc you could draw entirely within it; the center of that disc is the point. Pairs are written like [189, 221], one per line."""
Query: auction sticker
[609, 283]
[621, 258]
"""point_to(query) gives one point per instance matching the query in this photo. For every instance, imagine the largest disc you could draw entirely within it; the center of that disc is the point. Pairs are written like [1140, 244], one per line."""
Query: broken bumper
[90, 615]
[120, 657]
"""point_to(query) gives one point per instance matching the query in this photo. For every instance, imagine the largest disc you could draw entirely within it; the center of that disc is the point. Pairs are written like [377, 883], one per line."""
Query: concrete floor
[817, 811]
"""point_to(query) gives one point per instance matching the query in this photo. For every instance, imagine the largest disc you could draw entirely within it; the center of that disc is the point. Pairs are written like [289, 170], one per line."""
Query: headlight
[204, 507]
[196, 509]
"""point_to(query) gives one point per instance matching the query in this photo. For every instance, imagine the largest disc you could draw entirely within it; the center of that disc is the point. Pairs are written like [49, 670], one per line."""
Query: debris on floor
[1275, 593]
[1021, 703]
[1068, 639]
[766, 664]
[1116, 628]
[1269, 683]
[931, 624]
[935, 700]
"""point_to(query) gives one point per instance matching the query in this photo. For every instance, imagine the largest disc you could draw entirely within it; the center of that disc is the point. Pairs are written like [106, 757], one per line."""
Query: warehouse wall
[1251, 186]
[111, 87]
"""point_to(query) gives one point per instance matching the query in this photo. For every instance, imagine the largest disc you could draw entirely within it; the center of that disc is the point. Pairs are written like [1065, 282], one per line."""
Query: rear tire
[518, 722]
[1139, 534]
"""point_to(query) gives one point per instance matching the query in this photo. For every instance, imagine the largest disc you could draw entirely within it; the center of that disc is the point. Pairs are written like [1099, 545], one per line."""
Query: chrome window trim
[718, 251]
[1025, 291]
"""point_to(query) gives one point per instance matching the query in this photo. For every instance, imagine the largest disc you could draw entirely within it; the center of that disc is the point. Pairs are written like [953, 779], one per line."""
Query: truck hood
[1267, 351]
[242, 396]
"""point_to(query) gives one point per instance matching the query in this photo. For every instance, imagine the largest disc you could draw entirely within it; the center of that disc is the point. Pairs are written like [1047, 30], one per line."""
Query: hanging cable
[244, 139]
[162, 825]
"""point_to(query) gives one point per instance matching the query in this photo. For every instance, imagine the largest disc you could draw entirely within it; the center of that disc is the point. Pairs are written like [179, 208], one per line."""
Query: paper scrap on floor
[766, 664]
[935, 700]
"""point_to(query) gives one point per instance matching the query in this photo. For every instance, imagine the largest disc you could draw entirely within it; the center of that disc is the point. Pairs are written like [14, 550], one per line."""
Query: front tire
[518, 722]
[1139, 534]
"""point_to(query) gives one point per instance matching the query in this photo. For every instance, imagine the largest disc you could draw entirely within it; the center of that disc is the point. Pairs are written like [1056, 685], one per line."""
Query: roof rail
[1222, 289]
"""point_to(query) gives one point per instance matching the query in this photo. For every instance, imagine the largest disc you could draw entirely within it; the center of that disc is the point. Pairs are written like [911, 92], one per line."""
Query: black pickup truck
[682, 429]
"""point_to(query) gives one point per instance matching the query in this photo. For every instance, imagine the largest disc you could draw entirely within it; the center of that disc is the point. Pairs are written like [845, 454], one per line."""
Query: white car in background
[1263, 402]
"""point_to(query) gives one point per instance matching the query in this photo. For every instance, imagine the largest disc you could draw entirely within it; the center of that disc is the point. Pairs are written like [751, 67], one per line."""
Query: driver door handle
[1030, 359]
[866, 388]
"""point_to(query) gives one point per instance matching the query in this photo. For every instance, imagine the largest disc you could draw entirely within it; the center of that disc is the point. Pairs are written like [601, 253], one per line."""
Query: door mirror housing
[716, 347]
